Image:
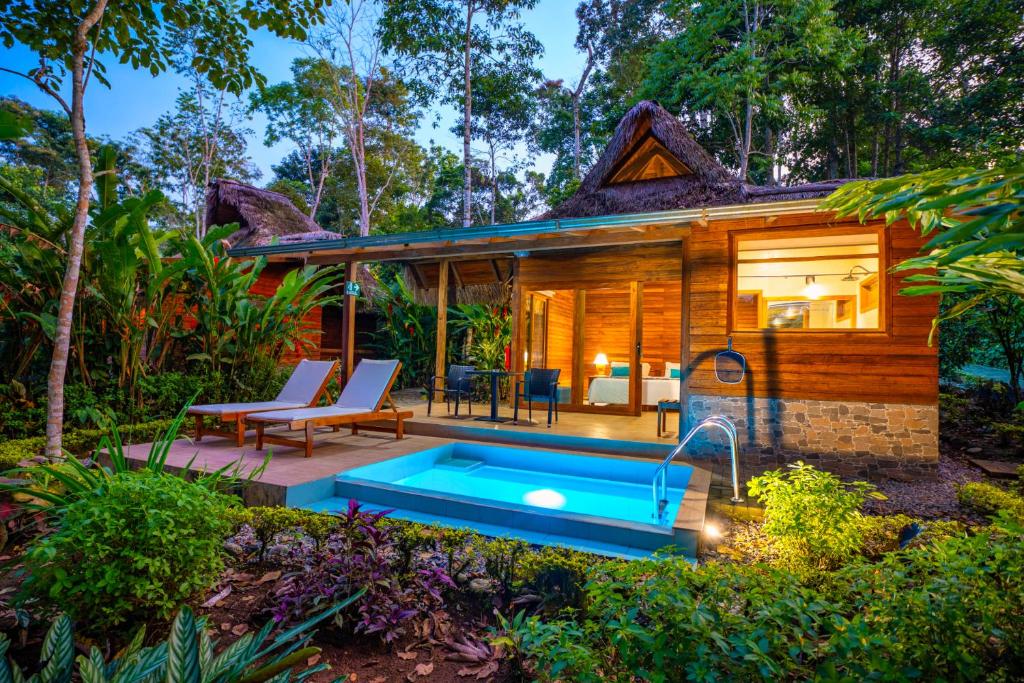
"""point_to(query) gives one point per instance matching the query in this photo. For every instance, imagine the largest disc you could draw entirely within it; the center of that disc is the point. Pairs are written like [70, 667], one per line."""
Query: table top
[492, 372]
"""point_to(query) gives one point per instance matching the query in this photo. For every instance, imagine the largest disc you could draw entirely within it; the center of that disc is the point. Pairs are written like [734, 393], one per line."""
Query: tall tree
[201, 139]
[444, 39]
[738, 61]
[299, 111]
[351, 46]
[69, 36]
[505, 105]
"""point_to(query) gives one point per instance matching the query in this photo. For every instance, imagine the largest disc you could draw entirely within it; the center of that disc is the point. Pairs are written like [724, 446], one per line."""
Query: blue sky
[136, 99]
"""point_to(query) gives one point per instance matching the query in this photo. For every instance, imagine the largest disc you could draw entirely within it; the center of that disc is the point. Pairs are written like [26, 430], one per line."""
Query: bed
[615, 390]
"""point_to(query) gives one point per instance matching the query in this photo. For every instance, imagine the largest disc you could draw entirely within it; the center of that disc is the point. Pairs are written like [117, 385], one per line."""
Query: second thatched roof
[262, 215]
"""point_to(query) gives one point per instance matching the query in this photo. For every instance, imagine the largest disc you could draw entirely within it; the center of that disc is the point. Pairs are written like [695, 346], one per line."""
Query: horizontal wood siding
[894, 365]
[559, 352]
[662, 322]
[607, 267]
[607, 326]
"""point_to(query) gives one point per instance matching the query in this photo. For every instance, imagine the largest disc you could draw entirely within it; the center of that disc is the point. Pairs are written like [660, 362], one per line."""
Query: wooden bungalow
[631, 286]
[265, 217]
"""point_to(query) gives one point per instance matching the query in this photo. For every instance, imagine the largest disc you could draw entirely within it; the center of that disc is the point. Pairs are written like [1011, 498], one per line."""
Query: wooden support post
[516, 347]
[684, 341]
[579, 361]
[348, 324]
[440, 351]
[636, 316]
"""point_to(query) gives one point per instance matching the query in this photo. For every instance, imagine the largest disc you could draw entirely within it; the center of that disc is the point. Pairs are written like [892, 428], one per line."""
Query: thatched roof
[262, 215]
[652, 163]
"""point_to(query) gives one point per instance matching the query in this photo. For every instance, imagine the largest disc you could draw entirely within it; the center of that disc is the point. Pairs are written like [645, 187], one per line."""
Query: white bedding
[615, 390]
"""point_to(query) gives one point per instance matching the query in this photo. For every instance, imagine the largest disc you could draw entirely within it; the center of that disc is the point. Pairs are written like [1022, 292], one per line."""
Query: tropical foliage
[153, 300]
[975, 255]
[189, 655]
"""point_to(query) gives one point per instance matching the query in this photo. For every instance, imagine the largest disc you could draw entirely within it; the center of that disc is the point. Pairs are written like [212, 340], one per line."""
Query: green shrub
[80, 442]
[949, 610]
[1009, 433]
[813, 517]
[991, 499]
[268, 522]
[16, 450]
[139, 547]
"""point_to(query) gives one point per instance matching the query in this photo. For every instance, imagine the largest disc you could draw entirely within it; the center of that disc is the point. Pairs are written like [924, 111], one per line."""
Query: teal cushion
[674, 374]
[620, 371]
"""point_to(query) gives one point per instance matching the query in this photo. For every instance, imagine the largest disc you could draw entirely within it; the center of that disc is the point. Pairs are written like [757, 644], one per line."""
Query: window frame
[884, 329]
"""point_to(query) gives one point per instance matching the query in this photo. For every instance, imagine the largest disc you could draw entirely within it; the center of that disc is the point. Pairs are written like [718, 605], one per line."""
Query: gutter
[451, 236]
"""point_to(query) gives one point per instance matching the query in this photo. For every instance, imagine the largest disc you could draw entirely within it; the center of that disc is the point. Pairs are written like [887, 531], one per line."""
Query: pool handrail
[659, 485]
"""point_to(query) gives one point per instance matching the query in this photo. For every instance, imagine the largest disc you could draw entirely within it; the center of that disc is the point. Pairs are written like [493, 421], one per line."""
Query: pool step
[335, 505]
[514, 520]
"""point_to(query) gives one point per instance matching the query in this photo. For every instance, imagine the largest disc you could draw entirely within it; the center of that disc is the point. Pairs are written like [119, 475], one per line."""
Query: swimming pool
[595, 503]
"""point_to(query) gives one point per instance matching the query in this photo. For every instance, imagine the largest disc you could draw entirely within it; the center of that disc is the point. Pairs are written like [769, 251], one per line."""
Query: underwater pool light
[545, 498]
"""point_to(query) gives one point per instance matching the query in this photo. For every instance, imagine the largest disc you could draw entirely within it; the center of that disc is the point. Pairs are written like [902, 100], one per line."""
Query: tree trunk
[76, 244]
[467, 185]
[494, 181]
[576, 95]
[748, 127]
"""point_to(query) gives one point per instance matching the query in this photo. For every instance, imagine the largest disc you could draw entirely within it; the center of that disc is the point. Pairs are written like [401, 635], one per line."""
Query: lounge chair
[362, 400]
[302, 390]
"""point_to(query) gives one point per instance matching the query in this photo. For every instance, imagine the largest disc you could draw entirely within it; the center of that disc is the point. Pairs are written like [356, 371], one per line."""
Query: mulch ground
[420, 654]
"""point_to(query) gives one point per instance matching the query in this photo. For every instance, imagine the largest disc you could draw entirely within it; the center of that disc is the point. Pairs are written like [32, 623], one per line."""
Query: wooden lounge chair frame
[353, 420]
[237, 418]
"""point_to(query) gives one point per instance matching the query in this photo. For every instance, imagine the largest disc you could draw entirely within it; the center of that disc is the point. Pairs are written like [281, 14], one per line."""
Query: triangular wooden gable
[647, 160]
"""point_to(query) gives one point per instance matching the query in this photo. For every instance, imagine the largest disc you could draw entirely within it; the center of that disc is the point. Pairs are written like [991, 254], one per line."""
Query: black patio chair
[458, 383]
[540, 384]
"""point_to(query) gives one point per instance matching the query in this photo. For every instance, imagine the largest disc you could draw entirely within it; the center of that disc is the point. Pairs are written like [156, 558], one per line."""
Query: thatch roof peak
[262, 215]
[652, 163]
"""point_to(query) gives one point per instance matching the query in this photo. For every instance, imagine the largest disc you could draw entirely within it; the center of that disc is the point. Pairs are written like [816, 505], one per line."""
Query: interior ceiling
[814, 241]
[483, 271]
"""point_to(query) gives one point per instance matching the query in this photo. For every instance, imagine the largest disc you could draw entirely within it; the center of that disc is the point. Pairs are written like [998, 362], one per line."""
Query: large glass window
[820, 282]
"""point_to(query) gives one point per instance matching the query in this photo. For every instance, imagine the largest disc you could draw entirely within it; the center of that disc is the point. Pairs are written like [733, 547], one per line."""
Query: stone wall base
[852, 439]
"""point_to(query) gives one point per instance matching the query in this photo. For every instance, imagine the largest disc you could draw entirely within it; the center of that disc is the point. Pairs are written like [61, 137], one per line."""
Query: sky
[136, 99]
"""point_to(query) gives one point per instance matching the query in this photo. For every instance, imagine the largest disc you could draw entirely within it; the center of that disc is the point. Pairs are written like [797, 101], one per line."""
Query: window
[820, 282]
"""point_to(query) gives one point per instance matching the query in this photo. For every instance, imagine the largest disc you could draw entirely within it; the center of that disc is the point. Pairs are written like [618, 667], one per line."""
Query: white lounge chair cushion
[368, 384]
[306, 380]
[233, 408]
[301, 414]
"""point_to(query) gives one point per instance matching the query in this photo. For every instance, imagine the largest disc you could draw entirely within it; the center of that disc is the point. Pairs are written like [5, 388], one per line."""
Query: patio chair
[538, 385]
[362, 400]
[458, 383]
[302, 390]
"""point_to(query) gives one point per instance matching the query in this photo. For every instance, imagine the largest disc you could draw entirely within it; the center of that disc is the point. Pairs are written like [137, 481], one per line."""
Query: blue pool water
[542, 489]
[531, 479]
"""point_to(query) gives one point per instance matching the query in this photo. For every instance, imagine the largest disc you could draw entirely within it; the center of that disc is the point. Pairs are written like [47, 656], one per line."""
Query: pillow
[620, 370]
[646, 369]
[669, 367]
[674, 373]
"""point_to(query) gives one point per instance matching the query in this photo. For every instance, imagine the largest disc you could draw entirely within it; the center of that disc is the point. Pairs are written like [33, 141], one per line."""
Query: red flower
[216, 260]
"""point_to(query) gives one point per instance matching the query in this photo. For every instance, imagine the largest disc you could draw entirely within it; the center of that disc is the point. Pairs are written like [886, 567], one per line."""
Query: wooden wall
[594, 269]
[662, 323]
[894, 365]
[560, 320]
[606, 325]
